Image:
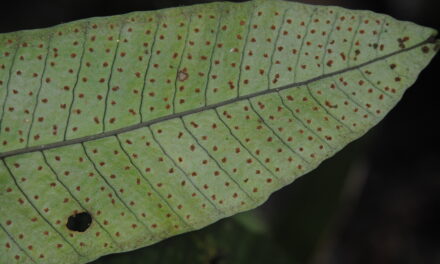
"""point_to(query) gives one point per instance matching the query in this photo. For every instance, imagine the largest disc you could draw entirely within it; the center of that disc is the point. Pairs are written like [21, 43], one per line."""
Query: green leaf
[158, 123]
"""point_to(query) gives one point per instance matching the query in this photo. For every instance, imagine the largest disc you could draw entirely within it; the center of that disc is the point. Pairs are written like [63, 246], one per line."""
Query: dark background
[377, 201]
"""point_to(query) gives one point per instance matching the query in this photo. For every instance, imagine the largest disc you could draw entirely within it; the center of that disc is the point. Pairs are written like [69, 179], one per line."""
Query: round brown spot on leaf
[425, 49]
[182, 76]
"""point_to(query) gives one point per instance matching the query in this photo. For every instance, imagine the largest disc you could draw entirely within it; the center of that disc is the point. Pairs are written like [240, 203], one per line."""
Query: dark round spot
[79, 222]
[425, 49]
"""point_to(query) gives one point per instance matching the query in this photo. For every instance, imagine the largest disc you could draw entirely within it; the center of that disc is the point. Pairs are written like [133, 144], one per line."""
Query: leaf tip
[433, 41]
[437, 45]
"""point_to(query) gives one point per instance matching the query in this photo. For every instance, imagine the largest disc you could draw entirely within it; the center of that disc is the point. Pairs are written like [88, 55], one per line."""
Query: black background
[389, 211]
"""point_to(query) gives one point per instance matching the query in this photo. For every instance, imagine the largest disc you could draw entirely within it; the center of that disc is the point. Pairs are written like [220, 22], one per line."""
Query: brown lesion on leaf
[402, 41]
[330, 105]
[432, 40]
[182, 76]
[425, 49]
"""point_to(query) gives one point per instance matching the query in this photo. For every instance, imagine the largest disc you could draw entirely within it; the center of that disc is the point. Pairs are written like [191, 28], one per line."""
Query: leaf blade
[220, 157]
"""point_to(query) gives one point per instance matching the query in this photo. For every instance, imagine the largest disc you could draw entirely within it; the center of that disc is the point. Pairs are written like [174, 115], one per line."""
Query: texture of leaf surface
[158, 123]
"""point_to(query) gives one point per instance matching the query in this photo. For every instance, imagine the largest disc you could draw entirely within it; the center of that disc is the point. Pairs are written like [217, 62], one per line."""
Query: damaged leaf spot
[425, 49]
[79, 222]
[182, 76]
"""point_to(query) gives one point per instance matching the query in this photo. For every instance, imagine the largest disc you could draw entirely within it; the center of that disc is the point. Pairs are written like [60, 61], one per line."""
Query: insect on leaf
[118, 132]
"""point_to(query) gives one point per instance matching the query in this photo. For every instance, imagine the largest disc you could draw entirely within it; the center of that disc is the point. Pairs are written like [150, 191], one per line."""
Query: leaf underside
[161, 122]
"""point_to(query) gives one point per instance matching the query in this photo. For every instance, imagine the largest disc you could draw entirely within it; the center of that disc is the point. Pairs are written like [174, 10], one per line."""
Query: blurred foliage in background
[377, 201]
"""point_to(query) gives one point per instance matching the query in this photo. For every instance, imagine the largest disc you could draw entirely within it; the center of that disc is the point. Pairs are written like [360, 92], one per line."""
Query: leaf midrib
[203, 108]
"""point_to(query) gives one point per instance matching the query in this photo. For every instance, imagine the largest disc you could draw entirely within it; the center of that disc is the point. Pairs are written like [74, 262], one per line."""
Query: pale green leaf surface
[162, 122]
